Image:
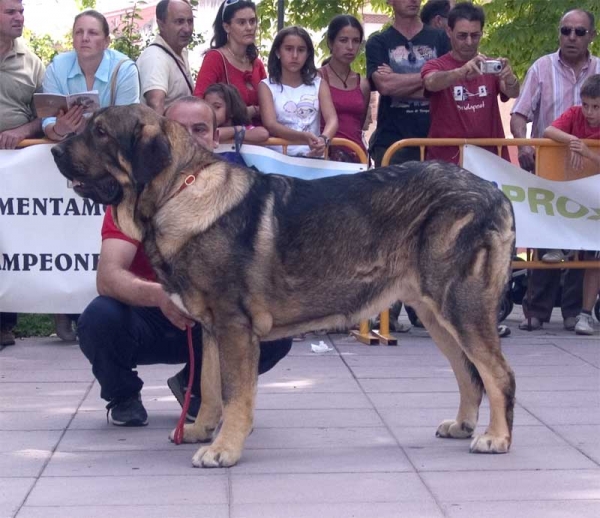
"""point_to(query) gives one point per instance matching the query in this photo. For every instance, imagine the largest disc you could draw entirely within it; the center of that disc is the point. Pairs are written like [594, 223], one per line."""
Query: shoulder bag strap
[113, 82]
[224, 66]
[185, 76]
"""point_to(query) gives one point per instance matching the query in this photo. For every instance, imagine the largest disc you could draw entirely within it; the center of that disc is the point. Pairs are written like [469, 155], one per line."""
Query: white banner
[548, 214]
[50, 237]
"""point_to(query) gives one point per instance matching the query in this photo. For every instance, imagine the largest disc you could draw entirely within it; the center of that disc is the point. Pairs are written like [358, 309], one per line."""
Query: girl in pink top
[349, 92]
[233, 56]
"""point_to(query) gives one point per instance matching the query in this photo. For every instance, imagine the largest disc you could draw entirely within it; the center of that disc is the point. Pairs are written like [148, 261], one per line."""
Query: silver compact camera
[490, 66]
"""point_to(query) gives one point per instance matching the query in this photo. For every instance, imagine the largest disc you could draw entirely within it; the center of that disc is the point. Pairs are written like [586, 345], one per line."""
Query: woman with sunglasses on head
[350, 93]
[294, 98]
[233, 56]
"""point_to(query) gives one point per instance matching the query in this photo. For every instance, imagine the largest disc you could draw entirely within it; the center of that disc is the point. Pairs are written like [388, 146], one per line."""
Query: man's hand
[506, 74]
[385, 69]
[527, 158]
[177, 317]
[472, 68]
[9, 139]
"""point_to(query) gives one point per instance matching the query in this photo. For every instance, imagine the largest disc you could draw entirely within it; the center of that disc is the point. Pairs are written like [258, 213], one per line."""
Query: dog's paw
[487, 443]
[211, 457]
[452, 429]
[193, 433]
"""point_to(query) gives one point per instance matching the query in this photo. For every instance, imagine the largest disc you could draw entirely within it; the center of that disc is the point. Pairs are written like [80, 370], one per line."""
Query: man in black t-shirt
[394, 60]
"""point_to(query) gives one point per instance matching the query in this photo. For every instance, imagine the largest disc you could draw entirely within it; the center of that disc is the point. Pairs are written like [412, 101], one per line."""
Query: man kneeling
[134, 322]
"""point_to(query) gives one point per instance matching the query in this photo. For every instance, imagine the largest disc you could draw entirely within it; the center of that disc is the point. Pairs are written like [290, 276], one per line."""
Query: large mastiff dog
[253, 256]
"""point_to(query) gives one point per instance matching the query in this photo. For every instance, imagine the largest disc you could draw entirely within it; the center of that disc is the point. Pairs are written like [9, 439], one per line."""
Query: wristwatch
[326, 139]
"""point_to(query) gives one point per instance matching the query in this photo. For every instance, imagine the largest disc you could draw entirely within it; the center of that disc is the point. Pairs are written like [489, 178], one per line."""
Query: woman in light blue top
[90, 66]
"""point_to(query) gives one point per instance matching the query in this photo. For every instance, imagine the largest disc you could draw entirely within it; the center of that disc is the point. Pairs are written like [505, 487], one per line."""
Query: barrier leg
[364, 336]
[384, 329]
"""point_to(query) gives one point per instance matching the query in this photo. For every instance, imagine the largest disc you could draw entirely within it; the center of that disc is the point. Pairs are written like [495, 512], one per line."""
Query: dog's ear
[151, 152]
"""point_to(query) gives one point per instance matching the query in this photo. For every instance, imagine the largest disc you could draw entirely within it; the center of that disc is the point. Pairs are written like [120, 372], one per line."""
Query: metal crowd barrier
[551, 158]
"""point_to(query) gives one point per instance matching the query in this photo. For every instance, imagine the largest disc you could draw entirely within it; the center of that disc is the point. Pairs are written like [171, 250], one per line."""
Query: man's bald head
[198, 117]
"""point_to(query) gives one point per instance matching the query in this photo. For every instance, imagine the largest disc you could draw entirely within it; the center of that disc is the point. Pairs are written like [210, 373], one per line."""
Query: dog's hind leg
[499, 381]
[470, 385]
[238, 353]
[483, 365]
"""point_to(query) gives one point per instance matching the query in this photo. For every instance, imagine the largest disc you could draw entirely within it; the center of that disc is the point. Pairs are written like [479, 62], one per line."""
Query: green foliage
[34, 325]
[85, 4]
[126, 36]
[313, 15]
[43, 45]
[524, 30]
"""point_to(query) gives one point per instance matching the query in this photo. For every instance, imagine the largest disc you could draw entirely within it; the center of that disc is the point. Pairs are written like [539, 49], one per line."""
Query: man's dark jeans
[116, 338]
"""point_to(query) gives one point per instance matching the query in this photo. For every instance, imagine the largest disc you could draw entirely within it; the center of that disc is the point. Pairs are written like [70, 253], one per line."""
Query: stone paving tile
[326, 417]
[308, 400]
[176, 461]
[24, 462]
[128, 511]
[564, 416]
[407, 385]
[366, 458]
[344, 488]
[46, 420]
[339, 510]
[266, 438]
[125, 491]
[12, 493]
[514, 485]
[529, 509]
[432, 417]
[48, 375]
[570, 399]
[28, 440]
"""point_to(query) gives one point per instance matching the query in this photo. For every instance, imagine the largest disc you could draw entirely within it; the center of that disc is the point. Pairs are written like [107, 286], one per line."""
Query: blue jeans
[116, 338]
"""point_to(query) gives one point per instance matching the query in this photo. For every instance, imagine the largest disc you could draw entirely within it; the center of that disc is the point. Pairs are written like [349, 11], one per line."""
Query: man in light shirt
[163, 66]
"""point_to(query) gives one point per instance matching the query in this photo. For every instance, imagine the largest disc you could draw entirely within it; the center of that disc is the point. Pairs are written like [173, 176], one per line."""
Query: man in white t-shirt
[164, 68]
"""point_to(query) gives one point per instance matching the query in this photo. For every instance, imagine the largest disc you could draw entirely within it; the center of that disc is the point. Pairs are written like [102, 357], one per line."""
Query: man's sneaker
[178, 386]
[585, 324]
[569, 323]
[127, 412]
[536, 324]
[7, 337]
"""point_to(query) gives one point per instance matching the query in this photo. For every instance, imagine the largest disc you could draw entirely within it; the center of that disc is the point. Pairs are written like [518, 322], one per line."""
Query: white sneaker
[584, 325]
[554, 256]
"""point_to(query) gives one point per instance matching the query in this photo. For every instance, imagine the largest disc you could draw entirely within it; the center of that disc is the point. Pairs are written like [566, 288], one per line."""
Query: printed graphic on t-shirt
[304, 112]
[409, 59]
[462, 97]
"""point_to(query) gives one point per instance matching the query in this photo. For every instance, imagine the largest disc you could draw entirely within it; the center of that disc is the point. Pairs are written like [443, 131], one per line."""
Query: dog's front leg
[238, 353]
[209, 415]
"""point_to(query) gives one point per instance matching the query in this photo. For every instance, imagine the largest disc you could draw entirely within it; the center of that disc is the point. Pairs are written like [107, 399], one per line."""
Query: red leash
[178, 436]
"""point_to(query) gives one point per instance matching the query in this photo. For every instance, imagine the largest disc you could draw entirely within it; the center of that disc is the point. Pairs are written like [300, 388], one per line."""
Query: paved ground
[339, 434]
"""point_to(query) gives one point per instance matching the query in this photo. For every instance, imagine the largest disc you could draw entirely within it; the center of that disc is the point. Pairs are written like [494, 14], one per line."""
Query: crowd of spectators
[431, 79]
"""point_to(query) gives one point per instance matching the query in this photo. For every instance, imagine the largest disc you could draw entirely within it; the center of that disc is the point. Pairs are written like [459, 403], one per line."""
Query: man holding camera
[463, 86]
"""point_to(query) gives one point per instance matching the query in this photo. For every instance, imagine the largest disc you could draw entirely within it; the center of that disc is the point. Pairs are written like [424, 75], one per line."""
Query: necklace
[340, 77]
[243, 60]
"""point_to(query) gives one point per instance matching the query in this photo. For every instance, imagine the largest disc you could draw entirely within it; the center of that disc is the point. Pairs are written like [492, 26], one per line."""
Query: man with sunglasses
[163, 66]
[551, 87]
[394, 60]
[464, 85]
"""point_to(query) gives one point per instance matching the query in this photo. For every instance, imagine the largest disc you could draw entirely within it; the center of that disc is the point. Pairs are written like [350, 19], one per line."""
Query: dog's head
[121, 149]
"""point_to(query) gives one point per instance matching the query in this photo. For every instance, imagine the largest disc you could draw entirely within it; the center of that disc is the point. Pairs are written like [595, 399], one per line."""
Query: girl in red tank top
[349, 92]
